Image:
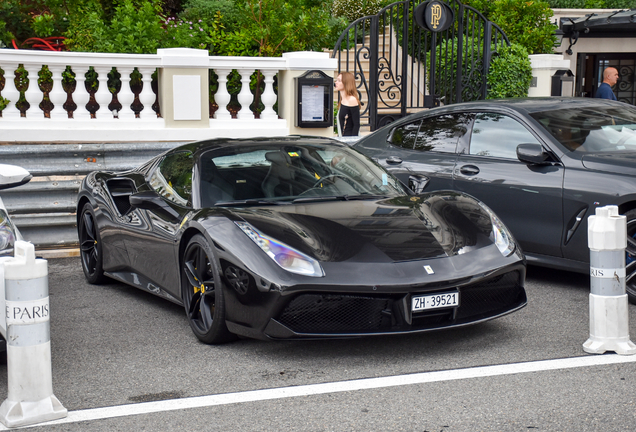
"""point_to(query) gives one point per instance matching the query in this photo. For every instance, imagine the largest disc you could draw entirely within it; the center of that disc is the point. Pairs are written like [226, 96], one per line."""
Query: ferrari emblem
[429, 269]
[414, 199]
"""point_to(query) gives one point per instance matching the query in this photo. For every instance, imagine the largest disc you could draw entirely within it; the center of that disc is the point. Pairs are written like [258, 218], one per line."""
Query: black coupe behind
[296, 237]
[542, 165]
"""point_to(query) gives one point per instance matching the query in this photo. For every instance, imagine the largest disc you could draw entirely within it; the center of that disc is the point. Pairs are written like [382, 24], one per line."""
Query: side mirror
[417, 183]
[12, 176]
[533, 154]
[151, 200]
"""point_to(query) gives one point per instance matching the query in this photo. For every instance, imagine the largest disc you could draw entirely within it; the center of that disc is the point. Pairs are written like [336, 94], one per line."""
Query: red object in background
[53, 43]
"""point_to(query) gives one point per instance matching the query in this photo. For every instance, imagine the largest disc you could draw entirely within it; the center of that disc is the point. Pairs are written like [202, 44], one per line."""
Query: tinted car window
[593, 129]
[405, 136]
[441, 133]
[173, 178]
[498, 135]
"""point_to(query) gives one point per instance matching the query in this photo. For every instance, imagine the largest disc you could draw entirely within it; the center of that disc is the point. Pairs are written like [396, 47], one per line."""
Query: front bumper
[311, 314]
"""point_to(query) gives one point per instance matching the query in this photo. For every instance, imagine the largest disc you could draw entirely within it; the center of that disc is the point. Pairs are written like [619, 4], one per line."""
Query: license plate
[434, 301]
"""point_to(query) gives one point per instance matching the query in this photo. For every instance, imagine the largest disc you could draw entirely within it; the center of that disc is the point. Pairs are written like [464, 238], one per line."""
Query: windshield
[283, 173]
[593, 129]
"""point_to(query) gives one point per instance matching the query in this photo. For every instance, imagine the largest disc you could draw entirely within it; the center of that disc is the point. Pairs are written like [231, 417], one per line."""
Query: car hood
[391, 230]
[617, 162]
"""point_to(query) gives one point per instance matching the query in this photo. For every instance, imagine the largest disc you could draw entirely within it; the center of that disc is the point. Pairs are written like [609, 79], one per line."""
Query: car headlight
[7, 233]
[286, 257]
[500, 235]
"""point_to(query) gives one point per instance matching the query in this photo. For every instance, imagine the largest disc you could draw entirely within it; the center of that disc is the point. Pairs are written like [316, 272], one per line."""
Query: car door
[150, 235]
[427, 148]
[527, 197]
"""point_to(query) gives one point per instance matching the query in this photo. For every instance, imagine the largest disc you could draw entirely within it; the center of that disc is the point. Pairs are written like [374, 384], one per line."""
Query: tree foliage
[510, 73]
[354, 9]
[526, 22]
[592, 4]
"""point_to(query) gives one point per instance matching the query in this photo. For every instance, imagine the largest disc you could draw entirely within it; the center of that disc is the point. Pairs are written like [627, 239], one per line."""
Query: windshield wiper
[249, 202]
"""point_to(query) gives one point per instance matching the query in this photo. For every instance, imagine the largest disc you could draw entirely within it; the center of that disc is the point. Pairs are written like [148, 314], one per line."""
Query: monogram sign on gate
[434, 16]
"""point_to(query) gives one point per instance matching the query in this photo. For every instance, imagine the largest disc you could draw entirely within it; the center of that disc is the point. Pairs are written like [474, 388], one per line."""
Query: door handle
[469, 170]
[393, 160]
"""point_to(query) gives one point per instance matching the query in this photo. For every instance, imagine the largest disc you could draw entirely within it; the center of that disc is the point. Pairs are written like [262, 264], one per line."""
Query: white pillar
[57, 95]
[245, 97]
[609, 327]
[222, 96]
[125, 95]
[81, 96]
[147, 96]
[33, 95]
[269, 96]
[103, 96]
[10, 91]
[30, 398]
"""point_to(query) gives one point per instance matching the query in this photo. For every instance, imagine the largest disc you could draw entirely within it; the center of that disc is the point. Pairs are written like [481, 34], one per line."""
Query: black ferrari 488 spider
[296, 237]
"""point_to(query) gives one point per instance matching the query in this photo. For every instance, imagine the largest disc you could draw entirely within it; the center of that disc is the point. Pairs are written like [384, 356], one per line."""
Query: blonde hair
[349, 83]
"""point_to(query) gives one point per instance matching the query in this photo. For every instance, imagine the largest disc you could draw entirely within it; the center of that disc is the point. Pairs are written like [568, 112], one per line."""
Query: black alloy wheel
[630, 259]
[202, 293]
[90, 246]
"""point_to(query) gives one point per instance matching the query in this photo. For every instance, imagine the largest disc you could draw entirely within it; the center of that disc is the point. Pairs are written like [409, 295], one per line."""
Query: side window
[498, 135]
[441, 133]
[173, 178]
[405, 136]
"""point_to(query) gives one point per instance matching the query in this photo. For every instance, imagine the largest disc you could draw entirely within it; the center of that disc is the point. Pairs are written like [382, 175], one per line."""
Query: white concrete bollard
[30, 396]
[609, 319]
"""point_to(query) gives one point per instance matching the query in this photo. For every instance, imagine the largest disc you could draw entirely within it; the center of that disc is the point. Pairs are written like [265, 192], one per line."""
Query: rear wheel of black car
[202, 293]
[90, 246]
[630, 259]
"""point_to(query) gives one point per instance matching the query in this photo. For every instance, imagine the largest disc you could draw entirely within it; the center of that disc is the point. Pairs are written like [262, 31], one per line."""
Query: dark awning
[619, 22]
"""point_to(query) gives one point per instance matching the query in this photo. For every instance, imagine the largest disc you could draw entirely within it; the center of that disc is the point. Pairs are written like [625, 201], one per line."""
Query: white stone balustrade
[124, 125]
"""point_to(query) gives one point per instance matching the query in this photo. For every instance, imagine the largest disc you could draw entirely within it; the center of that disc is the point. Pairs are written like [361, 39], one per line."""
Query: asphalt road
[113, 345]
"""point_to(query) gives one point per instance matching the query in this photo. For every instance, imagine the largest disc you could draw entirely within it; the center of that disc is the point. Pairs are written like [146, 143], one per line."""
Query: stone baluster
[269, 96]
[147, 96]
[10, 91]
[103, 96]
[33, 95]
[81, 96]
[245, 97]
[57, 95]
[126, 95]
[222, 96]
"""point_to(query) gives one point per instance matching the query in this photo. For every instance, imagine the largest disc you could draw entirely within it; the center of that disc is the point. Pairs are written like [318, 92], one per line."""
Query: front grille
[340, 314]
[489, 297]
[320, 313]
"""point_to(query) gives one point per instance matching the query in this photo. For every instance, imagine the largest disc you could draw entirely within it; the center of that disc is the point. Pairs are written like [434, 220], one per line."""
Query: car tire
[90, 247]
[202, 293]
[630, 259]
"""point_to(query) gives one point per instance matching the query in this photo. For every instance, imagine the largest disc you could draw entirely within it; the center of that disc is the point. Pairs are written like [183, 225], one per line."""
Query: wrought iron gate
[402, 68]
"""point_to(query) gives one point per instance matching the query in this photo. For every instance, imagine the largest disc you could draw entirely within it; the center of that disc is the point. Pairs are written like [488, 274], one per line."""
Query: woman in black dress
[348, 106]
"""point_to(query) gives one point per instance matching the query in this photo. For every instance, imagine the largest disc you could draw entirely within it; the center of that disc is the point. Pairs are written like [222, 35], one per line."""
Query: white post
[103, 96]
[57, 95]
[30, 396]
[609, 327]
[33, 95]
[81, 96]
[147, 96]
[269, 96]
[245, 97]
[222, 96]
[10, 91]
[126, 95]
